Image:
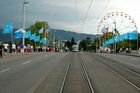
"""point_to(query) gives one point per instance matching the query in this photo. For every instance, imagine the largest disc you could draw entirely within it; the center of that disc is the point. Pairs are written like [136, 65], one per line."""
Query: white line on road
[46, 55]
[5, 70]
[26, 62]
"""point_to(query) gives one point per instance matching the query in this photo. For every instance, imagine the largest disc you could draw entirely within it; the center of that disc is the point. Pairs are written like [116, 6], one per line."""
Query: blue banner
[117, 39]
[133, 35]
[127, 36]
[42, 40]
[32, 37]
[18, 35]
[27, 34]
[121, 38]
[37, 38]
[8, 28]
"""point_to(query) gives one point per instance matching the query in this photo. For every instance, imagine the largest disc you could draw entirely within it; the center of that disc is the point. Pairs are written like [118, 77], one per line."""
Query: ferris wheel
[117, 21]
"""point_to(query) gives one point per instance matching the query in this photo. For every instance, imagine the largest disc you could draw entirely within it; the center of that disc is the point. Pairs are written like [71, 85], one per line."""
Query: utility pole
[54, 38]
[45, 35]
[115, 37]
[23, 24]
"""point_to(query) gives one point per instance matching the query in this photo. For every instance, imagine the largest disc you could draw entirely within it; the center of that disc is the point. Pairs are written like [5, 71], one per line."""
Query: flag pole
[45, 35]
[12, 37]
[115, 37]
[23, 24]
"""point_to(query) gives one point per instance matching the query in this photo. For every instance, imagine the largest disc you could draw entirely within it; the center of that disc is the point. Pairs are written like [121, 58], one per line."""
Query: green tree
[72, 41]
[35, 29]
[82, 45]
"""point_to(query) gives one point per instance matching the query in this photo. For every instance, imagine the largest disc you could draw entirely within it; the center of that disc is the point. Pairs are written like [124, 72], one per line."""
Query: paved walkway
[129, 60]
[11, 56]
[131, 54]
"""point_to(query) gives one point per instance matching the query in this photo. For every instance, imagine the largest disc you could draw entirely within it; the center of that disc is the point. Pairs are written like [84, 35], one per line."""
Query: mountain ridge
[58, 33]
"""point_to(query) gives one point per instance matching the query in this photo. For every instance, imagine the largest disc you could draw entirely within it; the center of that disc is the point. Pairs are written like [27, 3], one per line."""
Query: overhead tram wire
[85, 17]
[87, 12]
[76, 10]
[77, 19]
[100, 14]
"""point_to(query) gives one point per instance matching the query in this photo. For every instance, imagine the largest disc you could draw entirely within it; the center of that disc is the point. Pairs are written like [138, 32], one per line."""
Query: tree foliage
[35, 29]
[124, 44]
[86, 45]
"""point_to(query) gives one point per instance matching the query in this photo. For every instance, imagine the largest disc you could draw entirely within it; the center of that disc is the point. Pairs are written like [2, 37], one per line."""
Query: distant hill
[65, 35]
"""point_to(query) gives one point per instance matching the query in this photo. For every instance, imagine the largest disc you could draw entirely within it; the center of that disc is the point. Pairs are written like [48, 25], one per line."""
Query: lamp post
[96, 41]
[137, 40]
[115, 30]
[54, 38]
[23, 24]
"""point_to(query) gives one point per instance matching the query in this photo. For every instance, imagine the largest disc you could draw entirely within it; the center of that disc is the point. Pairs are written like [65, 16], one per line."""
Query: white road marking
[5, 70]
[26, 62]
[46, 55]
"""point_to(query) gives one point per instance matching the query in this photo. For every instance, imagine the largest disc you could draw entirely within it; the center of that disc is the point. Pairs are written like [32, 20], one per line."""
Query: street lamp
[23, 24]
[54, 38]
[115, 30]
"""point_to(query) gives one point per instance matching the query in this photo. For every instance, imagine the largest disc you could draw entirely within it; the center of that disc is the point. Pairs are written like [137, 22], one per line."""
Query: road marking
[46, 55]
[5, 70]
[26, 62]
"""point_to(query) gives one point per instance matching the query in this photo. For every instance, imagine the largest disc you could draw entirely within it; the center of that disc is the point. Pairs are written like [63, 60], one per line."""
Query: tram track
[65, 76]
[85, 77]
[130, 76]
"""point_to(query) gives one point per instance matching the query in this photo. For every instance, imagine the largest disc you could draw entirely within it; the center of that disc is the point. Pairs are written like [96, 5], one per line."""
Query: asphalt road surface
[72, 72]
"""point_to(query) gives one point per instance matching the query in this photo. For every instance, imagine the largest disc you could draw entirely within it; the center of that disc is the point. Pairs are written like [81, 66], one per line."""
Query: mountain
[67, 35]
[59, 34]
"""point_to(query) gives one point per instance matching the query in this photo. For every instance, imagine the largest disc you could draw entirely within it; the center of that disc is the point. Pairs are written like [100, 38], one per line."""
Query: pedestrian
[5, 49]
[1, 47]
[22, 48]
[34, 48]
[14, 48]
[31, 48]
[28, 49]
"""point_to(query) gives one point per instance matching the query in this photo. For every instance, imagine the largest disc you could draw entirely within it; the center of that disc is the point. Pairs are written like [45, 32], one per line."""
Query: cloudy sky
[66, 14]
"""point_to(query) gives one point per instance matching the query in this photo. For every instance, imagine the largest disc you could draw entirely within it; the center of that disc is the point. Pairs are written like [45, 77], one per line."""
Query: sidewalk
[130, 54]
[12, 57]
[131, 60]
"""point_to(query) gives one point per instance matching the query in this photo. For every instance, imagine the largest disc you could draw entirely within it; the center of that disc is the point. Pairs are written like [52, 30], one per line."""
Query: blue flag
[41, 31]
[121, 38]
[125, 36]
[27, 34]
[133, 35]
[8, 28]
[37, 39]
[33, 36]
[42, 40]
[117, 39]
[18, 35]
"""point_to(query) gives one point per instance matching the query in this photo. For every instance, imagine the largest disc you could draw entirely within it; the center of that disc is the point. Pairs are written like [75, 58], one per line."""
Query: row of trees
[88, 45]
[69, 44]
[85, 44]
[35, 29]
[123, 44]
